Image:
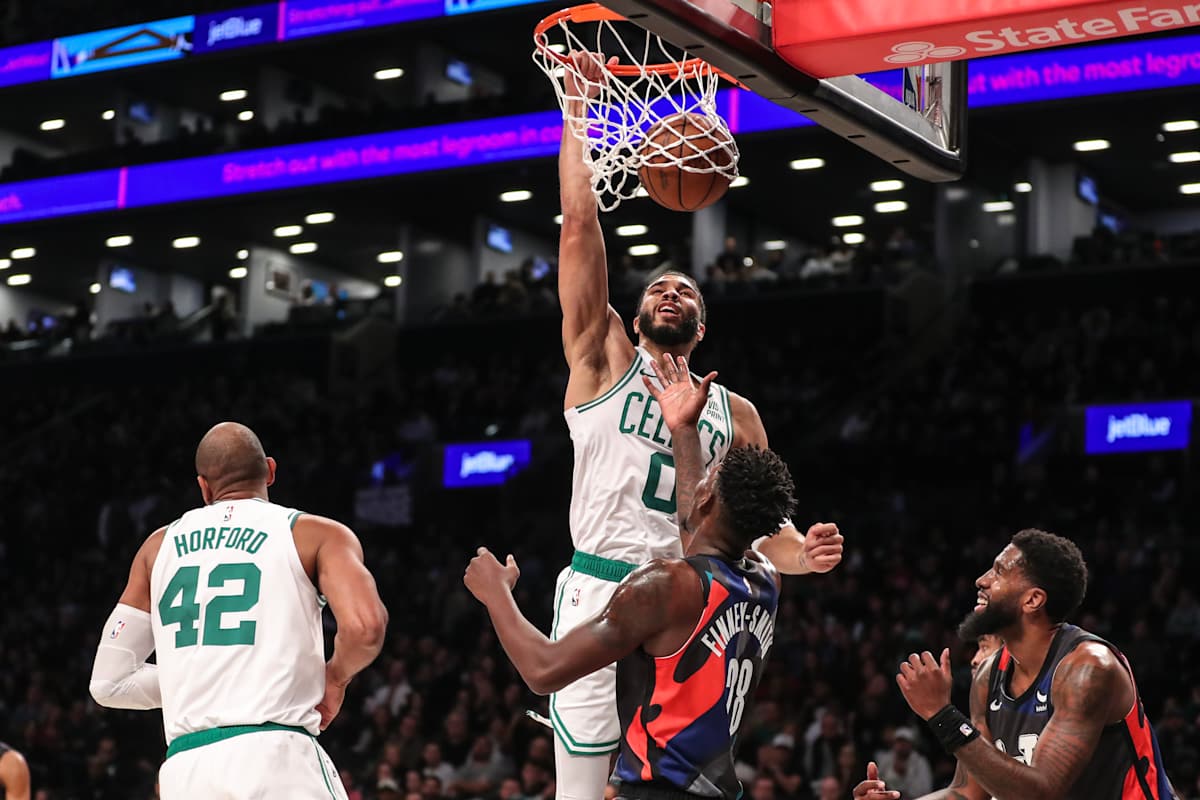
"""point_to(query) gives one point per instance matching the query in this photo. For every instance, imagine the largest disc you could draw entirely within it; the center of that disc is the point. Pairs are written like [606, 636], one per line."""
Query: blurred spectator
[903, 768]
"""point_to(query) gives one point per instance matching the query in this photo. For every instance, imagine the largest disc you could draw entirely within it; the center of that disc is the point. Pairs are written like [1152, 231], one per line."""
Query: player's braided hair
[1056, 566]
[756, 490]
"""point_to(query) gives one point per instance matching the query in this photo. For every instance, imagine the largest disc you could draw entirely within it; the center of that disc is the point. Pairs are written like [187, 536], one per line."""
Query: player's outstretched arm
[354, 600]
[792, 552]
[14, 776]
[1085, 685]
[582, 263]
[649, 602]
[681, 399]
[121, 678]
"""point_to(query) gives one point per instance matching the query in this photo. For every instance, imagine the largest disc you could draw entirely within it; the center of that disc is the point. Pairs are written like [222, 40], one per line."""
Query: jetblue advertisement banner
[238, 28]
[117, 48]
[1138, 427]
[484, 463]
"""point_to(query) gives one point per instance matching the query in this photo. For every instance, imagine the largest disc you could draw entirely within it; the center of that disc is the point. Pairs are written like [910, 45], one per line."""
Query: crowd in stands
[928, 484]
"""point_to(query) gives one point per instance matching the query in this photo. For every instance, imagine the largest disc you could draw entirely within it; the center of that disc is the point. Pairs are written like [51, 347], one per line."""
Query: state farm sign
[826, 38]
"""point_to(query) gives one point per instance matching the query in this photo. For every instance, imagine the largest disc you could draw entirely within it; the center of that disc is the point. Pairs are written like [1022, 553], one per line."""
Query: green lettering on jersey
[186, 614]
[210, 534]
[625, 413]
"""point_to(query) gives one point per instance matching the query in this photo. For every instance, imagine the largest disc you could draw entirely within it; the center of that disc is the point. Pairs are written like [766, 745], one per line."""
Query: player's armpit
[1084, 686]
[649, 607]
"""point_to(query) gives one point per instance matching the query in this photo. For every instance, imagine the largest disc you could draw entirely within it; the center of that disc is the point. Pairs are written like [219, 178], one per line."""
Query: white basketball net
[623, 108]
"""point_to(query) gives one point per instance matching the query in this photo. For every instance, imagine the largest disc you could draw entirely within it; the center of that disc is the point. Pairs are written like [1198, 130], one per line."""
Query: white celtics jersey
[237, 622]
[623, 490]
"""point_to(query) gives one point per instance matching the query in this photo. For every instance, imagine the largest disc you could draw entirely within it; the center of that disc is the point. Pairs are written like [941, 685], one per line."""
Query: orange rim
[594, 12]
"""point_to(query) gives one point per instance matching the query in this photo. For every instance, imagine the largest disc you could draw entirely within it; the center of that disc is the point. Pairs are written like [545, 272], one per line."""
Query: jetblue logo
[1137, 426]
[1140, 426]
[234, 28]
[485, 463]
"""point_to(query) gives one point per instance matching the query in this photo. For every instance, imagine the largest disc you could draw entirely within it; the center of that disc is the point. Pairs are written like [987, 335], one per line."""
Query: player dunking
[1055, 714]
[690, 634]
[623, 501]
[230, 598]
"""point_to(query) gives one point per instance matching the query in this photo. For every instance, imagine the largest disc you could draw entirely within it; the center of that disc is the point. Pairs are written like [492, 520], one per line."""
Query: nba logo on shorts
[228, 513]
[116, 631]
[575, 597]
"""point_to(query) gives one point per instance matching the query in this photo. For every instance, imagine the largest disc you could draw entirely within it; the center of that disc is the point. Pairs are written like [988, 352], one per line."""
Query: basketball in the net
[693, 140]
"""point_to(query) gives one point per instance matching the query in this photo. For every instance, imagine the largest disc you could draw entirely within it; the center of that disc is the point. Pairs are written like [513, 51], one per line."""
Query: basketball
[691, 140]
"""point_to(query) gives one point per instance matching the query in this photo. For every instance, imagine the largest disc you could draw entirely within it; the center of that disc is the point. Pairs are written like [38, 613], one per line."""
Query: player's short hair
[756, 491]
[695, 284]
[1056, 566]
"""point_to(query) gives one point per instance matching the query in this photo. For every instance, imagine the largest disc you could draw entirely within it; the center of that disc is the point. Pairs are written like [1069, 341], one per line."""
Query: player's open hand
[823, 547]
[587, 75]
[925, 683]
[873, 788]
[681, 398]
[486, 577]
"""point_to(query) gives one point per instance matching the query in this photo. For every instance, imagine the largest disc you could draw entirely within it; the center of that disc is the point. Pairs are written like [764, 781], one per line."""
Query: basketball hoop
[651, 87]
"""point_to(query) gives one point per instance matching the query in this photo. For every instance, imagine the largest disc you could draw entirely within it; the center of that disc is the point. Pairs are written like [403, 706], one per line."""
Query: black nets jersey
[1126, 764]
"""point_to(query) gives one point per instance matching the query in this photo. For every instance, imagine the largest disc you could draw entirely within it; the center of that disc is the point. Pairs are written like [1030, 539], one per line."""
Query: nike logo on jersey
[995, 705]
[1042, 699]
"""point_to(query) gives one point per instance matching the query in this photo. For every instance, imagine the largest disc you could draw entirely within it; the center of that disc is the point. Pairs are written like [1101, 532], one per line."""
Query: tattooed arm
[1089, 686]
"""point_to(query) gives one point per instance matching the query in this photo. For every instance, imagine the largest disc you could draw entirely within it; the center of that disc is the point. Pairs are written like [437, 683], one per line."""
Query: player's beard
[684, 332]
[995, 617]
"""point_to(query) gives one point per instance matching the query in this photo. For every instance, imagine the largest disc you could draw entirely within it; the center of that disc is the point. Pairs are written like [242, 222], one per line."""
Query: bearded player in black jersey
[689, 635]
[1055, 714]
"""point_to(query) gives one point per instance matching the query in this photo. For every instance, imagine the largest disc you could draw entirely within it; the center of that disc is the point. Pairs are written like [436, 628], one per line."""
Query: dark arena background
[336, 223]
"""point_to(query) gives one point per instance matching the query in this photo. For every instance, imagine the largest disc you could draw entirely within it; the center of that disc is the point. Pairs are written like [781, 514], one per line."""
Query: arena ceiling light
[847, 221]
[807, 163]
[237, 273]
[233, 95]
[246, 116]
[5, 263]
[890, 207]
[186, 242]
[739, 182]
[284, 231]
[109, 115]
[20, 279]
[1190, 188]
[122, 240]
[243, 254]
[1091, 145]
[1181, 125]
[1023, 187]
[392, 281]
[775, 244]
[631, 230]
[854, 237]
[558, 48]
[23, 252]
[641, 192]
[558, 219]
[643, 250]
[996, 206]
[53, 124]
[887, 186]
[515, 196]
[94, 288]
[388, 74]
[319, 217]
[390, 257]
[1187, 157]
[302, 248]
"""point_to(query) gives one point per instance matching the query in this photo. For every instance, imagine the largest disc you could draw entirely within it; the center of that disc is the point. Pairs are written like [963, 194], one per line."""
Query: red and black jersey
[1126, 764]
[681, 714]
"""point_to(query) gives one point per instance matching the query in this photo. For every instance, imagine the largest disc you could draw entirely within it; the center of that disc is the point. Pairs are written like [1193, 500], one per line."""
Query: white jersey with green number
[623, 490]
[237, 622]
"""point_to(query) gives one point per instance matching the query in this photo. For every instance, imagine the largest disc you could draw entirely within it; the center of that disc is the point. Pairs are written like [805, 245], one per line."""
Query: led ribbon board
[1138, 427]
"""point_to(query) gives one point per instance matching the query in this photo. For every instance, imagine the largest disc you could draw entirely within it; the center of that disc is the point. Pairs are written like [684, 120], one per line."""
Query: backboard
[925, 140]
